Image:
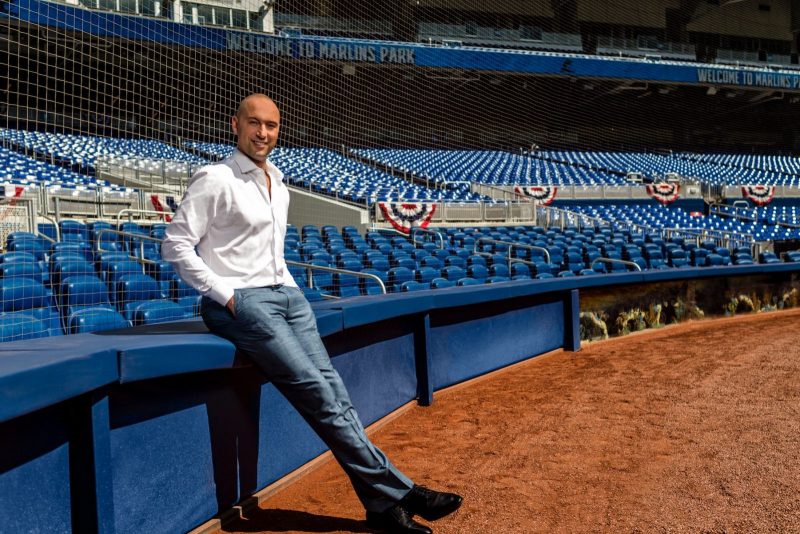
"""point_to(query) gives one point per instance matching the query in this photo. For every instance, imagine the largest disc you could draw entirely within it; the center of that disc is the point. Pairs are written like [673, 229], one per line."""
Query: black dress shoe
[396, 520]
[431, 505]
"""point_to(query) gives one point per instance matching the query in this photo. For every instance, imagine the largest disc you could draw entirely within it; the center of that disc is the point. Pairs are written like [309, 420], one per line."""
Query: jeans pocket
[238, 295]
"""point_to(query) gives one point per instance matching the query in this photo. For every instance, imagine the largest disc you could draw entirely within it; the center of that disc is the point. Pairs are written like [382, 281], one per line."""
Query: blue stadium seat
[82, 291]
[431, 261]
[21, 270]
[345, 285]
[677, 258]
[453, 273]
[95, 319]
[499, 269]
[157, 311]
[412, 285]
[185, 295]
[478, 272]
[312, 295]
[19, 294]
[768, 257]
[34, 247]
[132, 290]
[426, 274]
[62, 269]
[441, 283]
[520, 271]
[398, 275]
[15, 326]
[369, 286]
[12, 257]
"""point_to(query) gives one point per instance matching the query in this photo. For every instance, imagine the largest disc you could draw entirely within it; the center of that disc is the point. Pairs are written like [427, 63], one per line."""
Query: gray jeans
[276, 328]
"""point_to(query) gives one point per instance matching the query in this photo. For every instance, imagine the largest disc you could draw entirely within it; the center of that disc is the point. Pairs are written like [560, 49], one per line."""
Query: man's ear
[235, 125]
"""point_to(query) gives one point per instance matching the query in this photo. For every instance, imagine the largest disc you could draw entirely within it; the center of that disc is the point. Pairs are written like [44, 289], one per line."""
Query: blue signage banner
[107, 24]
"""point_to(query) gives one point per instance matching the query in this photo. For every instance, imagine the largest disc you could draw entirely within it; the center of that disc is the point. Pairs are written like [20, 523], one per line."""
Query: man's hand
[231, 307]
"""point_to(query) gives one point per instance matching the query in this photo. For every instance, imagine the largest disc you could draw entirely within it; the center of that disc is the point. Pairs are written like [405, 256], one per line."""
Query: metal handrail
[141, 259]
[101, 203]
[612, 260]
[310, 267]
[510, 248]
[55, 224]
[418, 229]
[131, 211]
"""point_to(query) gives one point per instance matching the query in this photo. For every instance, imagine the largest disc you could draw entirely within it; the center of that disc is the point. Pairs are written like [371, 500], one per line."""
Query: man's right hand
[231, 307]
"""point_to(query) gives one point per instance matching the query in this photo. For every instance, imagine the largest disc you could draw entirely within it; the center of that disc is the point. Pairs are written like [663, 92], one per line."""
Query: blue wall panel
[175, 441]
[34, 473]
[285, 441]
[376, 363]
[465, 343]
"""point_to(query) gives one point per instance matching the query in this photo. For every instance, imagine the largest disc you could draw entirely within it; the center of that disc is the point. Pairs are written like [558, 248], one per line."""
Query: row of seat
[78, 288]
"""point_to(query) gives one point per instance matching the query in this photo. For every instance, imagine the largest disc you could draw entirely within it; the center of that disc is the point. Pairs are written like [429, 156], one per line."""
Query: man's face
[257, 124]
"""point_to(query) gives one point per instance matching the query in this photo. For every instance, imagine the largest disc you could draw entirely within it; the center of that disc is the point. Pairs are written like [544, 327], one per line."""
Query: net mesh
[395, 114]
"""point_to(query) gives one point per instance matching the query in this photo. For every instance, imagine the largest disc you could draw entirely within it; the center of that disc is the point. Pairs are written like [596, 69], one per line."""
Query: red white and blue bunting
[664, 192]
[760, 195]
[405, 215]
[13, 191]
[544, 194]
[164, 204]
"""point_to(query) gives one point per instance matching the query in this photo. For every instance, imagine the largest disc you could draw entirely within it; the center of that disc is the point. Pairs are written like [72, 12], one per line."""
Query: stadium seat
[16, 326]
[499, 269]
[412, 285]
[453, 273]
[132, 290]
[21, 270]
[95, 319]
[157, 311]
[370, 286]
[12, 257]
[478, 272]
[441, 283]
[345, 285]
[82, 291]
[398, 275]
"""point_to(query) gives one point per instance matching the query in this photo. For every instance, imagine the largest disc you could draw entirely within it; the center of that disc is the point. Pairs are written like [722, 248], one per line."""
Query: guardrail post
[572, 321]
[422, 363]
[91, 488]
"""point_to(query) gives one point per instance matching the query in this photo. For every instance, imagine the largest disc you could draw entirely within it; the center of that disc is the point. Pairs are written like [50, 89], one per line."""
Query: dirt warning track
[689, 428]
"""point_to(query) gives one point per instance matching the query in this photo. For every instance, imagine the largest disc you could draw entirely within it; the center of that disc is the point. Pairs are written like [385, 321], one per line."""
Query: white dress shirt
[227, 232]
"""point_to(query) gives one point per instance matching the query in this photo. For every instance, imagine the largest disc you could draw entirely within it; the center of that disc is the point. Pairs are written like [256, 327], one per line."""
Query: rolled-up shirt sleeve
[201, 204]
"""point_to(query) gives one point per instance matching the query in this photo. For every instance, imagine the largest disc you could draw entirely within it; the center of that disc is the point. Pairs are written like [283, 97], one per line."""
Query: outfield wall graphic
[160, 31]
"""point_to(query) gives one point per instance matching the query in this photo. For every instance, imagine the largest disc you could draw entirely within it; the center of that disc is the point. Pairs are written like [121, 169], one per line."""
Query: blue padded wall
[34, 472]
[376, 363]
[163, 433]
[285, 441]
[471, 341]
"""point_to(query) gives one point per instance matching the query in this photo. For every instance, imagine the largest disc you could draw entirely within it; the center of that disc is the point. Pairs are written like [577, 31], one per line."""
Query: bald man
[226, 241]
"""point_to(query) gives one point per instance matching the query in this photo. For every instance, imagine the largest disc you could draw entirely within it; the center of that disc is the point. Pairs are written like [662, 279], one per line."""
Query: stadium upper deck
[311, 48]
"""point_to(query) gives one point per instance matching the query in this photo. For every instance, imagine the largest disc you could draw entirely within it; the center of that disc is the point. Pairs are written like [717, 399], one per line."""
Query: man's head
[257, 123]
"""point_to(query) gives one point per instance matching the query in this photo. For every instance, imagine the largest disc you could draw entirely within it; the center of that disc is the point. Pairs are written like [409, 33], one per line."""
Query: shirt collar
[247, 166]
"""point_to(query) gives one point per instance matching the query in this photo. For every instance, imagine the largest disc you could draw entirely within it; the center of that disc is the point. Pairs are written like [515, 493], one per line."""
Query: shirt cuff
[220, 294]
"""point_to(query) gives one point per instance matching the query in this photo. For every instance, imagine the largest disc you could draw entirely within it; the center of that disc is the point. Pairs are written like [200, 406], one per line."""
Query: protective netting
[401, 114]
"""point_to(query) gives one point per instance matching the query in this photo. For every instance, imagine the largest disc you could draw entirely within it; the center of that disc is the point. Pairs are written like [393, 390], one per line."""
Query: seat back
[17, 294]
